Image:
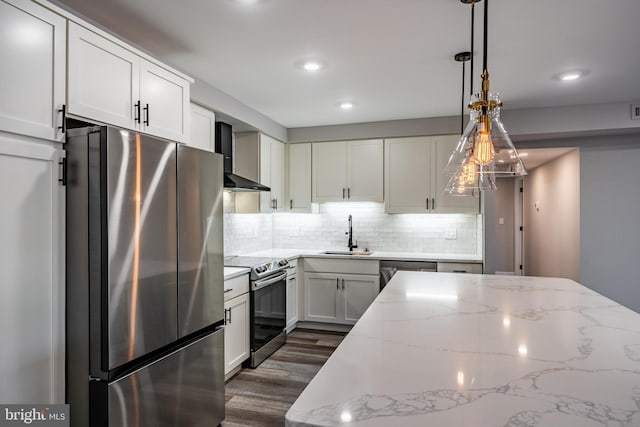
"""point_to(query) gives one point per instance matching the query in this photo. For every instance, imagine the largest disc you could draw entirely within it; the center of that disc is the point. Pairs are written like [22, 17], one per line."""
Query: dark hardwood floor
[261, 397]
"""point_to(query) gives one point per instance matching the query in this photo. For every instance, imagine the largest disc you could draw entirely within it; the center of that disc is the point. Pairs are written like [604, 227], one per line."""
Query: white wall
[552, 218]
[610, 225]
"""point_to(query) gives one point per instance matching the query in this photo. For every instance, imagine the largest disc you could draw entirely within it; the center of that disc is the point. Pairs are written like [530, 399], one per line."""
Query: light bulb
[483, 150]
[469, 172]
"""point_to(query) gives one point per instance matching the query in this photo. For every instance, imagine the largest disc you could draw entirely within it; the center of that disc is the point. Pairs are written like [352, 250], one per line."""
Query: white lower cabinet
[32, 360]
[339, 298]
[236, 332]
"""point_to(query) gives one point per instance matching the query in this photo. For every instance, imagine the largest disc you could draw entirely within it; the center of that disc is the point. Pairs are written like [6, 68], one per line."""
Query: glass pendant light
[484, 149]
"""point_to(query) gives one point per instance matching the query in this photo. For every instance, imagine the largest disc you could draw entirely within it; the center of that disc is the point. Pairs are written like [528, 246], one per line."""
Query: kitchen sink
[352, 253]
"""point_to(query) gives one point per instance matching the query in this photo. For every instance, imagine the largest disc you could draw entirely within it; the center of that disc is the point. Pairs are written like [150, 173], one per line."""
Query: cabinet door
[266, 199]
[164, 99]
[103, 79]
[32, 360]
[32, 75]
[202, 133]
[442, 202]
[358, 292]
[292, 303]
[277, 175]
[329, 171]
[300, 177]
[365, 171]
[236, 332]
[407, 175]
[321, 292]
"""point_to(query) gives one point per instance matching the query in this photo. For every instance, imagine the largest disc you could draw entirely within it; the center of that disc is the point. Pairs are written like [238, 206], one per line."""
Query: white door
[365, 171]
[203, 124]
[442, 202]
[103, 79]
[32, 265]
[321, 292]
[32, 75]
[164, 101]
[236, 332]
[292, 302]
[358, 293]
[407, 175]
[299, 177]
[329, 171]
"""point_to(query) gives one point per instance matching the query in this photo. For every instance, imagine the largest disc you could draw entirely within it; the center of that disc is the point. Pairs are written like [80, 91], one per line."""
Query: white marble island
[438, 349]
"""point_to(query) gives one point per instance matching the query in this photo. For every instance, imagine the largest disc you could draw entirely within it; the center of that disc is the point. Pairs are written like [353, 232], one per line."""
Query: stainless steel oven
[268, 305]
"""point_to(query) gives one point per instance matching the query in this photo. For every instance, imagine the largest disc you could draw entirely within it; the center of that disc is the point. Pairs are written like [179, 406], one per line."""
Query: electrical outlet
[450, 234]
[635, 111]
[501, 221]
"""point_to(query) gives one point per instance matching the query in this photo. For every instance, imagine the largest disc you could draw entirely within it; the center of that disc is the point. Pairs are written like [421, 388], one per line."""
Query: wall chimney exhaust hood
[224, 146]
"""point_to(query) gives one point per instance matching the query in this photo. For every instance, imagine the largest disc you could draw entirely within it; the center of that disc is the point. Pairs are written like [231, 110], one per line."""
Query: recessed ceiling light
[311, 66]
[571, 75]
[346, 105]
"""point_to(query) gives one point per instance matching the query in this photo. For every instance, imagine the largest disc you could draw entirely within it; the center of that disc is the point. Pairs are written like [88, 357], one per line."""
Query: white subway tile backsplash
[372, 228]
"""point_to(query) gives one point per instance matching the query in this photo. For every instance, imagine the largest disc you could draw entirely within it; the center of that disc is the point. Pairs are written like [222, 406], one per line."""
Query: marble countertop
[377, 255]
[231, 272]
[442, 349]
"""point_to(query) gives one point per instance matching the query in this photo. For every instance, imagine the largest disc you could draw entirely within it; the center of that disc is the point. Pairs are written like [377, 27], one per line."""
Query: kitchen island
[440, 349]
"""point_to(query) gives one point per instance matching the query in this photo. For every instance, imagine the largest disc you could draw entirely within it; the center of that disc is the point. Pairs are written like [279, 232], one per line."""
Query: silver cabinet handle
[229, 315]
[427, 199]
[291, 204]
[343, 284]
[276, 204]
[433, 203]
[343, 192]
[228, 290]
[348, 193]
[225, 316]
[337, 283]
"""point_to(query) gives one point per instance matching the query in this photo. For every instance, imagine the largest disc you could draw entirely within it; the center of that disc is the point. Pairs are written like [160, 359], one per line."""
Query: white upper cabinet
[32, 75]
[203, 128]
[165, 102]
[299, 177]
[329, 183]
[414, 177]
[272, 174]
[347, 171]
[407, 178]
[103, 79]
[110, 83]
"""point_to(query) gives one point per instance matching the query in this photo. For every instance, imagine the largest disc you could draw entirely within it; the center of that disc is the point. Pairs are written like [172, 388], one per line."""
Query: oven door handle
[266, 282]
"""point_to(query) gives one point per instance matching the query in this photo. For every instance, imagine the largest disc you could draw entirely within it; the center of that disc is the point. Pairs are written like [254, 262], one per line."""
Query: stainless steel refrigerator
[144, 281]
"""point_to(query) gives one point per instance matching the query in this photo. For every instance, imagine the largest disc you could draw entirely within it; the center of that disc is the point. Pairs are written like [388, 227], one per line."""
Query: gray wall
[610, 228]
[552, 218]
[499, 245]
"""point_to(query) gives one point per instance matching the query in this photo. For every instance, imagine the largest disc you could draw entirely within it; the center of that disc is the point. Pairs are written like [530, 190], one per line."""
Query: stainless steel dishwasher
[389, 268]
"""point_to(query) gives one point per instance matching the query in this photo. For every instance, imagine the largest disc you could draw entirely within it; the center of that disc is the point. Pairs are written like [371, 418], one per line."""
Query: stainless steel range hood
[233, 182]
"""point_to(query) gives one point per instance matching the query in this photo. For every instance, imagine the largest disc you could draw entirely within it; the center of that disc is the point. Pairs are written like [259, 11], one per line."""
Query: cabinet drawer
[341, 266]
[236, 286]
[459, 267]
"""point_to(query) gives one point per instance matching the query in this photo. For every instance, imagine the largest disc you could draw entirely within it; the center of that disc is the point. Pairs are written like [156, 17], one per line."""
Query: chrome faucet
[350, 234]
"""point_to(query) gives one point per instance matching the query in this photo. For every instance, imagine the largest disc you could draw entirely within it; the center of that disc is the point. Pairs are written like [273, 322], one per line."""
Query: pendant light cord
[473, 3]
[462, 101]
[484, 48]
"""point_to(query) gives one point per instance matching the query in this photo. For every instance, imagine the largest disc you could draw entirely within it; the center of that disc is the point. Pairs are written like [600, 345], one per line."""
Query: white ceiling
[392, 58]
